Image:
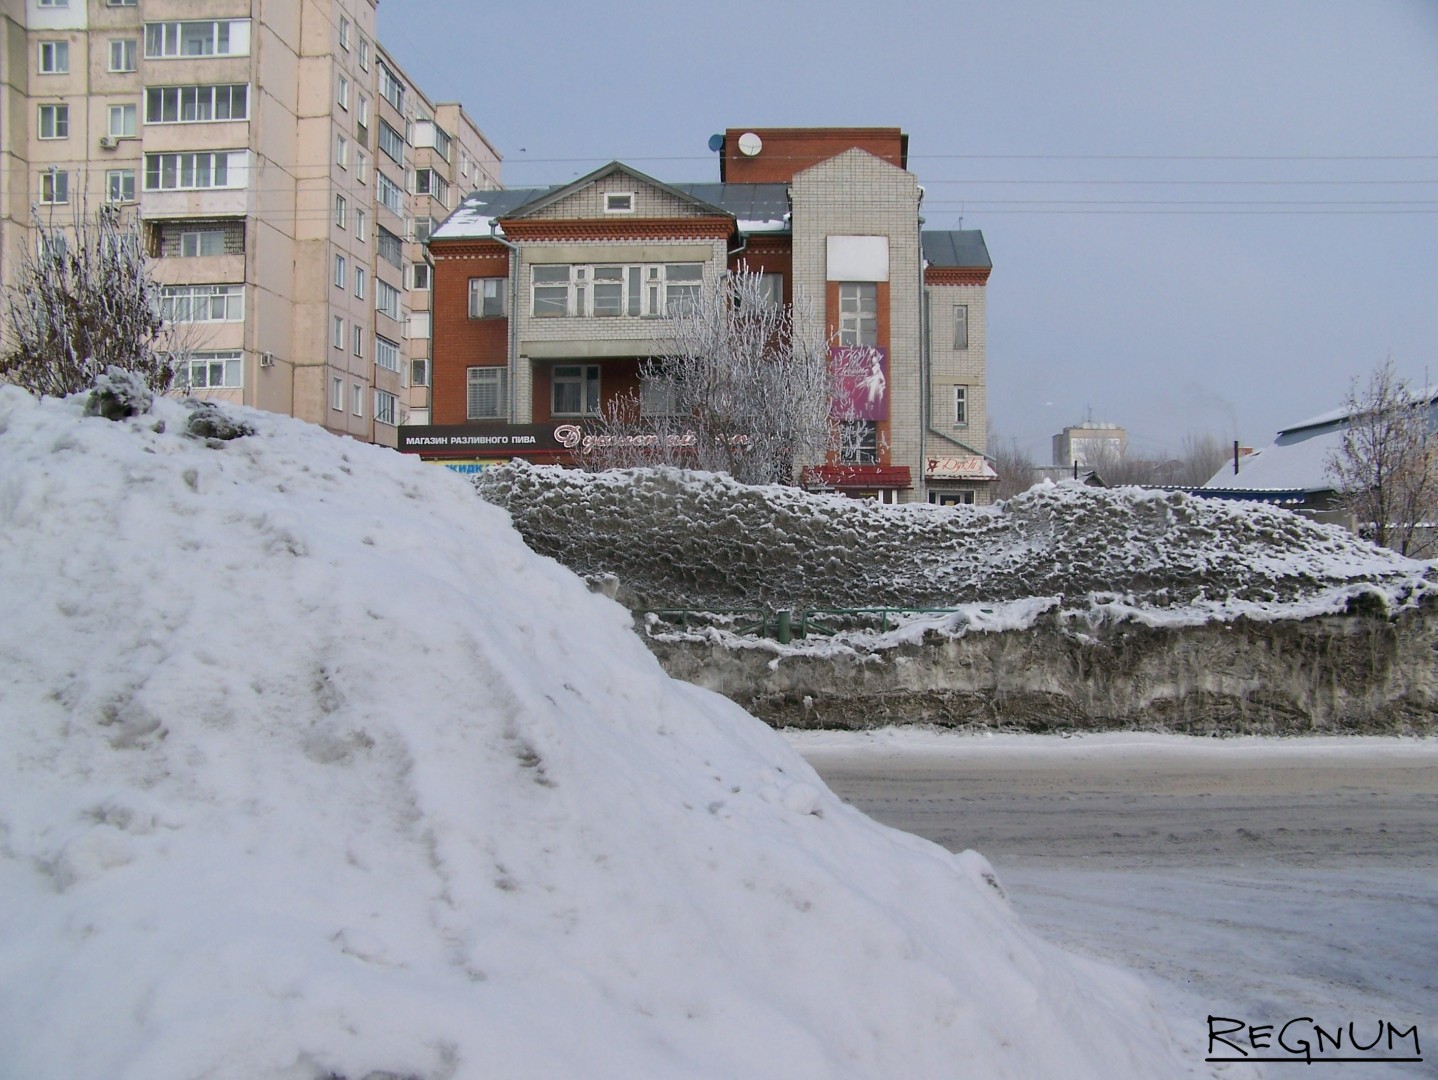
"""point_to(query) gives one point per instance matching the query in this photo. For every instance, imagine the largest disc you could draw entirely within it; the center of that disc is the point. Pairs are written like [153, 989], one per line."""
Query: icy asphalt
[1254, 880]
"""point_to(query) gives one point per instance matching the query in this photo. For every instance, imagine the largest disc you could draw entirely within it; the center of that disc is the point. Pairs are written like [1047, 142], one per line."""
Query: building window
[419, 371]
[193, 171]
[961, 405]
[390, 248]
[961, 326]
[486, 393]
[364, 53]
[362, 167]
[859, 442]
[213, 371]
[54, 186]
[122, 54]
[54, 121]
[386, 299]
[390, 88]
[858, 313]
[211, 37]
[122, 121]
[344, 28]
[389, 195]
[574, 390]
[599, 291]
[358, 338]
[119, 185]
[54, 3]
[120, 3]
[337, 332]
[341, 211]
[337, 393]
[361, 223]
[196, 104]
[386, 353]
[619, 202]
[771, 287]
[54, 57]
[384, 407]
[391, 142]
[656, 397]
[362, 115]
[202, 303]
[340, 271]
[428, 182]
[343, 96]
[357, 399]
[952, 497]
[420, 276]
[202, 242]
[359, 282]
[422, 229]
[486, 298]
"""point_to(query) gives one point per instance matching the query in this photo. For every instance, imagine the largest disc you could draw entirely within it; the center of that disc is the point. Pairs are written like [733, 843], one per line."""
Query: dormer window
[619, 202]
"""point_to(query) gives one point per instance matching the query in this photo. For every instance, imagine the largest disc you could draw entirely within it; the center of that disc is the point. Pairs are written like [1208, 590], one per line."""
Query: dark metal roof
[963, 247]
[499, 203]
[747, 202]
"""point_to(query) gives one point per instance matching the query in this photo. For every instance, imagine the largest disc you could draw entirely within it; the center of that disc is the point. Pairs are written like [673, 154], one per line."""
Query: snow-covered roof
[1291, 463]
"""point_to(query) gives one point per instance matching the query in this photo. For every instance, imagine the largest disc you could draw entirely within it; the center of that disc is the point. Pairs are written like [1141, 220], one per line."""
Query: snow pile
[696, 541]
[313, 770]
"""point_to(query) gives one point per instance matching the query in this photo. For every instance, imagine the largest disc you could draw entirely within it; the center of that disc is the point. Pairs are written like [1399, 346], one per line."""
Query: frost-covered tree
[1016, 468]
[746, 387]
[1384, 470]
[82, 302]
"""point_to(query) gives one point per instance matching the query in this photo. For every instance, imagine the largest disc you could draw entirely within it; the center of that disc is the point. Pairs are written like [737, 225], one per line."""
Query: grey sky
[1205, 217]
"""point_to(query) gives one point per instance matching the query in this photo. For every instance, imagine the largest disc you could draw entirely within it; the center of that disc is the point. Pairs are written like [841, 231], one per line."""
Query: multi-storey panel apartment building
[272, 151]
[548, 303]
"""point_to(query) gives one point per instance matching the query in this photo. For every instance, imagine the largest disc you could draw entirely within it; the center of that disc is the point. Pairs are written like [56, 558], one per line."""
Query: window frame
[217, 162]
[587, 290]
[961, 326]
[169, 104]
[123, 109]
[858, 314]
[232, 361]
[386, 407]
[230, 298]
[118, 176]
[55, 187]
[171, 37]
[386, 299]
[337, 393]
[961, 405]
[341, 271]
[130, 55]
[58, 53]
[54, 118]
[585, 378]
[487, 298]
[387, 354]
[475, 378]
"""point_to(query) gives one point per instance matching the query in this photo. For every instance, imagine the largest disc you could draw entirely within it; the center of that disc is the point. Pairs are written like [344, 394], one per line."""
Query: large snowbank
[313, 770]
[696, 541]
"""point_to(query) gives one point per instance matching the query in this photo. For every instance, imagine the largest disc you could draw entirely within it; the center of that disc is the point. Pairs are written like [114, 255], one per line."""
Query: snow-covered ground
[313, 770]
[1254, 878]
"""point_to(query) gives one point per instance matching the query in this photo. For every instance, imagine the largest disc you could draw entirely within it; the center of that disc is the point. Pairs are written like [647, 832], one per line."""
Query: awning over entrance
[858, 477]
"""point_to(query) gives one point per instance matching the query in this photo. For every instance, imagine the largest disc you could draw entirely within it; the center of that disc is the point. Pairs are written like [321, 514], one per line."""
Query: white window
[361, 225]
[384, 407]
[389, 194]
[390, 248]
[54, 57]
[54, 186]
[213, 370]
[386, 353]
[616, 202]
[212, 37]
[422, 229]
[386, 298]
[343, 97]
[391, 142]
[486, 297]
[54, 3]
[337, 393]
[357, 399]
[961, 326]
[961, 405]
[574, 390]
[362, 168]
[647, 290]
[420, 276]
[342, 152]
[428, 182]
[656, 397]
[193, 171]
[202, 303]
[122, 121]
[357, 335]
[54, 121]
[362, 111]
[858, 313]
[119, 185]
[419, 371]
[122, 54]
[337, 332]
[341, 271]
[487, 393]
[359, 282]
[341, 211]
[196, 104]
[364, 53]
[344, 29]
[120, 3]
[202, 242]
[390, 88]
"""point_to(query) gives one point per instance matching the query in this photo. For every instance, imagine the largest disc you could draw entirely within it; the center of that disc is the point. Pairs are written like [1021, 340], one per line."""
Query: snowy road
[1251, 879]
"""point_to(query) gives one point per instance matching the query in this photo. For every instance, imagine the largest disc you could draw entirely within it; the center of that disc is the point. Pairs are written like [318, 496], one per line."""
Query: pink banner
[863, 383]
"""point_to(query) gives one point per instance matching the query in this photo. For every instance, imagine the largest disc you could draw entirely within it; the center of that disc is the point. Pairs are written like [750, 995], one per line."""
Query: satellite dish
[750, 144]
[716, 143]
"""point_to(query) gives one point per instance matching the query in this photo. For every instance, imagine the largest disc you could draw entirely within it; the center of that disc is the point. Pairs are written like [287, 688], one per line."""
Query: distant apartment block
[1090, 446]
[549, 302]
[286, 172]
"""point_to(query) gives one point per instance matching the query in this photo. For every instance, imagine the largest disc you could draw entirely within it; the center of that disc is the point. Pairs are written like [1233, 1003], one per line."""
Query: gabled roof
[963, 248]
[757, 207]
[556, 194]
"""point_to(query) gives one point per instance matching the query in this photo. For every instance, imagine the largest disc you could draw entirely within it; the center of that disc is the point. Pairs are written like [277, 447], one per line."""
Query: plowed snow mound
[686, 540]
[313, 770]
